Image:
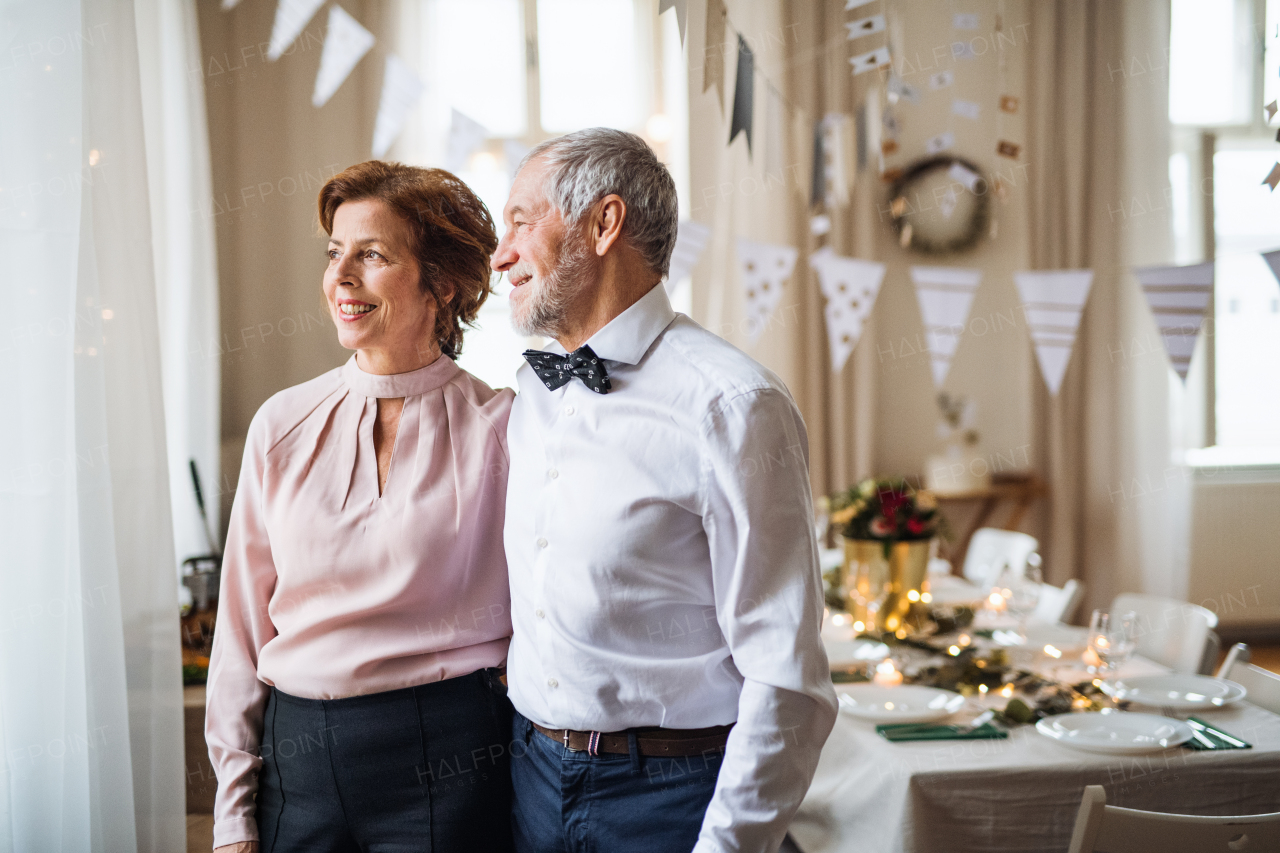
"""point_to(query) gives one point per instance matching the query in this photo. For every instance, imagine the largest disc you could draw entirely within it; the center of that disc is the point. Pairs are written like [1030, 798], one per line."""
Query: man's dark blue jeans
[574, 802]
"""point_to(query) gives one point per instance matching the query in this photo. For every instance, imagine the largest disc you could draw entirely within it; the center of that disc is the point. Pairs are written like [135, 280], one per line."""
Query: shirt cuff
[233, 830]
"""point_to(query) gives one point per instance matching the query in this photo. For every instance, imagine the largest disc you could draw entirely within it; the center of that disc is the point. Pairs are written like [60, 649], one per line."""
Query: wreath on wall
[940, 205]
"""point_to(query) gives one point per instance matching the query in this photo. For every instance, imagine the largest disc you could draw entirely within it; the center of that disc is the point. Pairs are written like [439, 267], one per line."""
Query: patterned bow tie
[556, 370]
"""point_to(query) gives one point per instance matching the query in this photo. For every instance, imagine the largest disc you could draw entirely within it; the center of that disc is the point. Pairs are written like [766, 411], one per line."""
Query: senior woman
[354, 684]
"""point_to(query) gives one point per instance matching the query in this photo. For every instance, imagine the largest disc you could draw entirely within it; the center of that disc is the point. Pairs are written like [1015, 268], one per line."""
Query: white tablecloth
[1019, 794]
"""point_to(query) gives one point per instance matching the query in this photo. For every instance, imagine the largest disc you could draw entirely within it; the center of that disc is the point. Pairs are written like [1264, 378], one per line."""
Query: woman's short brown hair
[453, 235]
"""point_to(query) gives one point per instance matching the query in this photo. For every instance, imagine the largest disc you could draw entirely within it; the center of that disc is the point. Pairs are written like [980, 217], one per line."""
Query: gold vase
[884, 593]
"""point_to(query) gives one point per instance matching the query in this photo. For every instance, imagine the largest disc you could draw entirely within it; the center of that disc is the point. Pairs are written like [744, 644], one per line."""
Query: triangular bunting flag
[869, 61]
[713, 53]
[744, 94]
[850, 286]
[682, 13]
[945, 295]
[291, 18]
[1052, 301]
[764, 269]
[465, 136]
[401, 89]
[1178, 297]
[514, 152]
[691, 239]
[1273, 260]
[345, 44]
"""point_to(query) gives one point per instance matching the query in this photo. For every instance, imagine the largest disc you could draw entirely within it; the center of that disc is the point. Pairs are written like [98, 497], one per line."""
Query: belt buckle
[566, 738]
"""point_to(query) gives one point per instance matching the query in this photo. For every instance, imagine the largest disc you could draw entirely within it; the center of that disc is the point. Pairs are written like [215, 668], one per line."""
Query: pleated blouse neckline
[420, 381]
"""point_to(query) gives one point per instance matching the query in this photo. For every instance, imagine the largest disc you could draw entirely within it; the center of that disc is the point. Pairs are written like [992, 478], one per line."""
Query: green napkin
[1208, 731]
[936, 731]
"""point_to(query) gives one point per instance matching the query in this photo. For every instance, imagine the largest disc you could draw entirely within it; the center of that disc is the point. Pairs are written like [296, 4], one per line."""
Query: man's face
[547, 262]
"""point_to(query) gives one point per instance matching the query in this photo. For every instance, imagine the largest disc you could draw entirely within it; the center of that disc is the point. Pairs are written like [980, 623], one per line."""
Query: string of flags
[945, 295]
[1178, 298]
[765, 269]
[346, 42]
[850, 286]
[1052, 302]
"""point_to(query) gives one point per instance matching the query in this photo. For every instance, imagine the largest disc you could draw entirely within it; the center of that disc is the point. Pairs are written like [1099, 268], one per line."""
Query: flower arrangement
[886, 510]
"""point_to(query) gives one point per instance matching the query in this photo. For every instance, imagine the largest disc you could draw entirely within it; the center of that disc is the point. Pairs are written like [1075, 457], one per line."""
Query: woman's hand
[238, 847]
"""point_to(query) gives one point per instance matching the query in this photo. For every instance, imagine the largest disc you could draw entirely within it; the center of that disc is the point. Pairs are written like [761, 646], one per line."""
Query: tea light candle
[996, 601]
[887, 674]
[1091, 658]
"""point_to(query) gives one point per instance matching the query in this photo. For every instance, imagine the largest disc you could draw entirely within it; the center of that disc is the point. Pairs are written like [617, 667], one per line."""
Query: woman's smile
[351, 310]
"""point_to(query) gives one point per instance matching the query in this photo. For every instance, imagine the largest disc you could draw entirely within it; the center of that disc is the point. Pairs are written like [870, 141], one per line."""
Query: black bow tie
[556, 370]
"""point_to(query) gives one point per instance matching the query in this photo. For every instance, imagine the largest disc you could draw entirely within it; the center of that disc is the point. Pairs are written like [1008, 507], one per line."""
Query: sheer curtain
[90, 685]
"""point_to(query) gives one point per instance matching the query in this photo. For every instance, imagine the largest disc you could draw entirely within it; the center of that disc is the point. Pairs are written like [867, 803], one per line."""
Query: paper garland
[865, 26]
[713, 59]
[691, 239]
[291, 17]
[835, 139]
[682, 13]
[743, 94]
[1052, 302]
[945, 295]
[1178, 297]
[466, 135]
[850, 286]
[870, 61]
[1273, 260]
[401, 89]
[345, 44]
[765, 267]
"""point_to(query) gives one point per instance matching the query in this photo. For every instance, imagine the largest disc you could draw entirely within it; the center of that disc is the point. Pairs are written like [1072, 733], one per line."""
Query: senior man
[671, 687]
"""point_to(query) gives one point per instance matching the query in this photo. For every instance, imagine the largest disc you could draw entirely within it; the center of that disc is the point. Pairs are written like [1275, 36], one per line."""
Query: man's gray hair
[587, 165]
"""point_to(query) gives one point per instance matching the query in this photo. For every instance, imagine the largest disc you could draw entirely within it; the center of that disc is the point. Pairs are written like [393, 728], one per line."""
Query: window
[517, 68]
[1222, 149]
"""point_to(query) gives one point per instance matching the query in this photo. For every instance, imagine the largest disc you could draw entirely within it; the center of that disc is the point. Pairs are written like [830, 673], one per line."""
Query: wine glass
[1112, 637]
[1019, 592]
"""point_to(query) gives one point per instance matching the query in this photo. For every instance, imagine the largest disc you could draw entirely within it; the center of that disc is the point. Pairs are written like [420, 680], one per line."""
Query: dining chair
[991, 549]
[1263, 686]
[1058, 605]
[1116, 830]
[1238, 653]
[1169, 632]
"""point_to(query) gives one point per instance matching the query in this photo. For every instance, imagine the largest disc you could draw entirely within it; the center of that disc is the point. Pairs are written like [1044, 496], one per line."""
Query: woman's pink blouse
[332, 590]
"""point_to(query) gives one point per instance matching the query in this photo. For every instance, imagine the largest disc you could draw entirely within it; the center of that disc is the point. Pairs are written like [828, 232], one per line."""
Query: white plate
[842, 654]
[1183, 692]
[907, 703]
[1115, 733]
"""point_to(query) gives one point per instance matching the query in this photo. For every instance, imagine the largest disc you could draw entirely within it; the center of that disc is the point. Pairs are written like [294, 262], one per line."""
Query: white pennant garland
[765, 267]
[682, 13]
[291, 17]
[945, 295]
[1052, 301]
[1178, 297]
[837, 144]
[850, 286]
[401, 89]
[465, 136]
[345, 44]
[691, 239]
[1273, 260]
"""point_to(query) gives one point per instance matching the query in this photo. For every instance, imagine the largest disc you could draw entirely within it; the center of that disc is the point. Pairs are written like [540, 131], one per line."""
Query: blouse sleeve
[236, 697]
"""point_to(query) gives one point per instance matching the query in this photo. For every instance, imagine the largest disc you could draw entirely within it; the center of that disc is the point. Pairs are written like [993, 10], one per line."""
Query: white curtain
[181, 192]
[90, 685]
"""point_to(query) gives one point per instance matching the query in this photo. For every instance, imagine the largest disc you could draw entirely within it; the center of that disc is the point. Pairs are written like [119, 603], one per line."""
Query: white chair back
[1058, 605]
[990, 550]
[1263, 686]
[1239, 653]
[1170, 632]
[1102, 827]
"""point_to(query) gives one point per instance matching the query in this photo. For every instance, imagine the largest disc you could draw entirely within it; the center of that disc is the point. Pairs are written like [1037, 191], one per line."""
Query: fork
[1195, 733]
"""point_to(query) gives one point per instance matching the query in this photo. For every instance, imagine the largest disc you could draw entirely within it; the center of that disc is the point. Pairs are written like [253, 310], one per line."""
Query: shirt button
[539, 613]
[552, 683]
[542, 543]
[568, 410]
[553, 473]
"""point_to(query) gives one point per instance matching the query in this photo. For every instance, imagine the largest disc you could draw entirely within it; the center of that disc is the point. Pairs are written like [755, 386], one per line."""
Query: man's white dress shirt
[663, 565]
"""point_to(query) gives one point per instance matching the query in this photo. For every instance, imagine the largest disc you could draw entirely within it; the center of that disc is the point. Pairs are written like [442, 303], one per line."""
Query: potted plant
[887, 527]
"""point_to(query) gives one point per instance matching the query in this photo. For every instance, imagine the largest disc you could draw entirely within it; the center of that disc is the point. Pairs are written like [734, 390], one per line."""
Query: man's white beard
[544, 310]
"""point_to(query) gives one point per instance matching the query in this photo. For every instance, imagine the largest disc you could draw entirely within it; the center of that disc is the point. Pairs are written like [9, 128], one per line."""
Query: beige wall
[1235, 549]
[271, 152]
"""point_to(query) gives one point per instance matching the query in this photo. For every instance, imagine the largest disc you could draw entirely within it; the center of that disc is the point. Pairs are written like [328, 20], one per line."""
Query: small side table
[1019, 490]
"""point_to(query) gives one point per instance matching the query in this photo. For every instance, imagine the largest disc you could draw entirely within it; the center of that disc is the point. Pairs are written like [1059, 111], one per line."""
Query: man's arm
[758, 518]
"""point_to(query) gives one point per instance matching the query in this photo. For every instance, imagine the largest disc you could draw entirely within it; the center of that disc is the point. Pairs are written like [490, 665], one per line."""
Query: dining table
[1020, 793]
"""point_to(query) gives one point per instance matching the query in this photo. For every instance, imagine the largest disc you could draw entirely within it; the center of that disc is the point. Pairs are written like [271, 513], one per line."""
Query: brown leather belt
[651, 742]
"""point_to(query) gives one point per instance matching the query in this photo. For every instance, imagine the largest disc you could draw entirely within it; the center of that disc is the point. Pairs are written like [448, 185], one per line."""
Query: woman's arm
[236, 697]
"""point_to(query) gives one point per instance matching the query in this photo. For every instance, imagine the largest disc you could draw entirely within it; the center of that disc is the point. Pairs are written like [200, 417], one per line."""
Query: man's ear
[606, 223]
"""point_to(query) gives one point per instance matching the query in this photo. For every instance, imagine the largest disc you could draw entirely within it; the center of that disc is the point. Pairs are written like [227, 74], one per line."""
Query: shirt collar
[627, 337]
[415, 382]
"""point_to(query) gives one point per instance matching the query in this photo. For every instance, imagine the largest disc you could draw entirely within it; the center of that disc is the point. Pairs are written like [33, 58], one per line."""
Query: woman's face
[372, 290]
